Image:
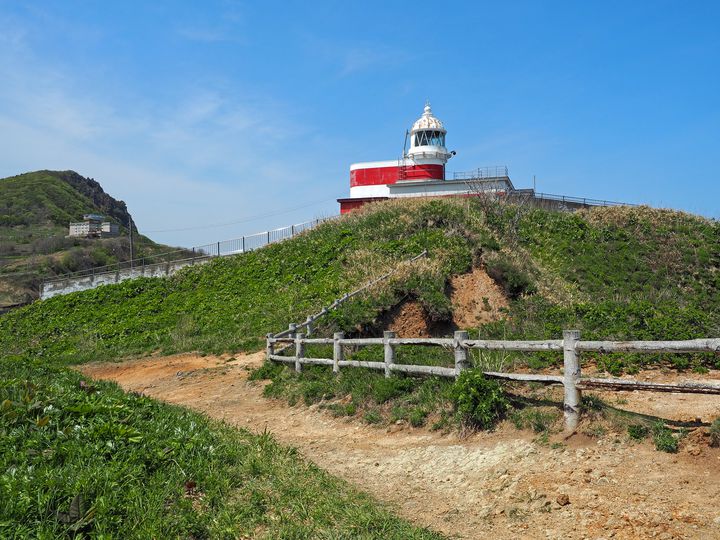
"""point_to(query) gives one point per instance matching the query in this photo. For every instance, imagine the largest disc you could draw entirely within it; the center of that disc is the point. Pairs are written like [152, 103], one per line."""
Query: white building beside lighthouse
[420, 172]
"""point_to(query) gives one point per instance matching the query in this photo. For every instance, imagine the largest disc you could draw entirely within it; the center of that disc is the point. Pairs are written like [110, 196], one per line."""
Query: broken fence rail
[571, 345]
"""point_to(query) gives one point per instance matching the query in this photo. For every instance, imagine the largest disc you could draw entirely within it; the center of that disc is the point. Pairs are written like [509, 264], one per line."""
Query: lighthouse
[427, 155]
[420, 172]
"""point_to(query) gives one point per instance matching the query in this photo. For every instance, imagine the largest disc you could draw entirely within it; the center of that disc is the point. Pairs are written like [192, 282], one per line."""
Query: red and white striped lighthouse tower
[424, 161]
[419, 173]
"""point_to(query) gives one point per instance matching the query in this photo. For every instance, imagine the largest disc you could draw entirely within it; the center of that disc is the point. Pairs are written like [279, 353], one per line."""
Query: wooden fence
[571, 347]
[310, 321]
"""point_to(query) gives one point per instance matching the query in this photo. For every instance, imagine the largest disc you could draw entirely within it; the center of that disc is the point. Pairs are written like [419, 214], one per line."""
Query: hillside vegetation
[85, 460]
[83, 457]
[612, 272]
[35, 209]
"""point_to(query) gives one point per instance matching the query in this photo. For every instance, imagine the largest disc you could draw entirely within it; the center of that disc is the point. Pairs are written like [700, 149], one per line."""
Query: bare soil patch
[475, 298]
[500, 484]
[408, 319]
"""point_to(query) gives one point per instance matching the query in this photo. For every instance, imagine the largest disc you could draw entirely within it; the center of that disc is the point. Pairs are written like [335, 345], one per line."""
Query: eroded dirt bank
[499, 485]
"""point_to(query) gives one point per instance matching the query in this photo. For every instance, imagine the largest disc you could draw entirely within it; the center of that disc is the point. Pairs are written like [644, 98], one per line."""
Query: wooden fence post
[571, 376]
[337, 351]
[293, 329]
[269, 347]
[299, 351]
[389, 351]
[308, 326]
[461, 353]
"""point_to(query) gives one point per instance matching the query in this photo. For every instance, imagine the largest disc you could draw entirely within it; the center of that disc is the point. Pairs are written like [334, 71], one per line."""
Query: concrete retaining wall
[83, 283]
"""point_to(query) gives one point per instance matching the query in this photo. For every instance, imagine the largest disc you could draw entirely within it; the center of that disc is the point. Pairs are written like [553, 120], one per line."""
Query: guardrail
[584, 201]
[215, 249]
[500, 171]
[570, 345]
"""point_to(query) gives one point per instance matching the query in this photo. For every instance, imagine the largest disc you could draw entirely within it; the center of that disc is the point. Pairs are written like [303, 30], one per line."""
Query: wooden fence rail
[570, 345]
[310, 321]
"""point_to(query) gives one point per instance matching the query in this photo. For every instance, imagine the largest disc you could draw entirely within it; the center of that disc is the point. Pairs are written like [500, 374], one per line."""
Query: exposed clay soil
[475, 298]
[489, 485]
[408, 319]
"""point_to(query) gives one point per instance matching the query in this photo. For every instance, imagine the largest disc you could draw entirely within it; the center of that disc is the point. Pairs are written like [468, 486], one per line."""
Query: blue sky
[197, 113]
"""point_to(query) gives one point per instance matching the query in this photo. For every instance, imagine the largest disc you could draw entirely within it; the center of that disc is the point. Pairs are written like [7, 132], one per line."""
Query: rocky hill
[35, 209]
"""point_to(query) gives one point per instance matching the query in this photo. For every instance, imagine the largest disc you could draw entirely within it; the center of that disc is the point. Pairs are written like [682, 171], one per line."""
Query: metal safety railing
[500, 171]
[215, 249]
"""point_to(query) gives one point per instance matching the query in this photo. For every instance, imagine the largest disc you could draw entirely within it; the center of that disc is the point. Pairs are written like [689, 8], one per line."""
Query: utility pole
[132, 250]
[533, 183]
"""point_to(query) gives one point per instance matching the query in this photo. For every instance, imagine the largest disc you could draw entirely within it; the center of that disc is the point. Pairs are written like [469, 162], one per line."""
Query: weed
[514, 280]
[592, 403]
[372, 416]
[479, 402]
[417, 417]
[715, 432]
[664, 439]
[341, 409]
[637, 432]
[497, 361]
[268, 370]
[538, 420]
[596, 430]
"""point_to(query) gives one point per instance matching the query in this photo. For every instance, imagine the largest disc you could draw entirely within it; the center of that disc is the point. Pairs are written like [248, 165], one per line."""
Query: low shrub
[637, 432]
[372, 417]
[664, 439]
[479, 402]
[514, 281]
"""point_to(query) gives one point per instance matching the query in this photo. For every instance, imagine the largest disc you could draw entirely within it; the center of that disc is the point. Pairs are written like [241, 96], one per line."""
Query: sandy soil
[500, 485]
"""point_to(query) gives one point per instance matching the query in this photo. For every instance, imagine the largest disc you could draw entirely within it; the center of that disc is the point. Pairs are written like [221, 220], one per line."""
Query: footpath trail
[499, 485]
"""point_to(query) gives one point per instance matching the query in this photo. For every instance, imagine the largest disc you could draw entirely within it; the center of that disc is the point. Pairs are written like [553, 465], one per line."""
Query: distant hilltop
[56, 197]
[36, 213]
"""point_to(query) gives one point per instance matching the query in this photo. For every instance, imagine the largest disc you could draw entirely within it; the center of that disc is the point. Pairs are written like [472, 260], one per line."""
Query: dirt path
[499, 485]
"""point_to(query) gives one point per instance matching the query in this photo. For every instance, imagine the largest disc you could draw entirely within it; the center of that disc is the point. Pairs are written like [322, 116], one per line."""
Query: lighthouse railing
[500, 171]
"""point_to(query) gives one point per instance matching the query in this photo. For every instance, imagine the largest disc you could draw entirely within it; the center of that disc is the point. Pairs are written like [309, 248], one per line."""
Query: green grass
[134, 467]
[359, 392]
[85, 458]
[664, 439]
[715, 433]
[230, 303]
[613, 273]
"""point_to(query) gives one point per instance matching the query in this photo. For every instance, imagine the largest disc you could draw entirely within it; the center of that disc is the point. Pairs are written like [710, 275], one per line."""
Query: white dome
[428, 121]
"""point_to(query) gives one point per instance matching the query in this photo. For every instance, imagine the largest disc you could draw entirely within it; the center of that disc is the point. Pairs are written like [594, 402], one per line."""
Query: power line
[246, 220]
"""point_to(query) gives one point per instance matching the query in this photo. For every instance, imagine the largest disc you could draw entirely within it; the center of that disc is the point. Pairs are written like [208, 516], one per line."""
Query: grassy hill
[612, 272]
[35, 209]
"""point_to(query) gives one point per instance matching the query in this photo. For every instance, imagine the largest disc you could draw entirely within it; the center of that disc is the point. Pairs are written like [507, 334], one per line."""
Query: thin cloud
[209, 155]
